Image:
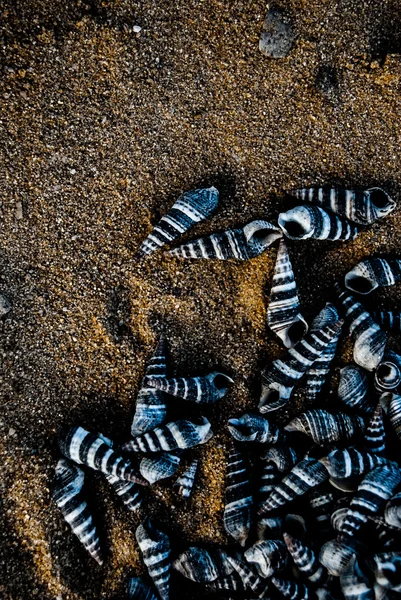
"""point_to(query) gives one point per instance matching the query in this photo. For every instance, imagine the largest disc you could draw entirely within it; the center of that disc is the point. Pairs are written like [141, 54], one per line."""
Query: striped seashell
[353, 389]
[336, 555]
[349, 462]
[306, 560]
[295, 590]
[231, 583]
[242, 244]
[162, 466]
[203, 566]
[68, 494]
[279, 378]
[238, 498]
[338, 517]
[369, 340]
[305, 222]
[270, 477]
[306, 475]
[318, 373]
[151, 409]
[375, 489]
[130, 493]
[92, 450]
[388, 570]
[155, 548]
[172, 436]
[324, 428]
[267, 557]
[206, 390]
[190, 208]
[392, 513]
[283, 456]
[388, 319]
[283, 315]
[375, 436]
[321, 502]
[388, 373]
[138, 590]
[254, 428]
[269, 527]
[249, 579]
[186, 482]
[359, 206]
[372, 273]
[354, 584]
[391, 404]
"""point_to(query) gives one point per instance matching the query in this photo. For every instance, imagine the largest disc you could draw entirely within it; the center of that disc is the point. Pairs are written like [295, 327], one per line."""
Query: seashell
[155, 548]
[238, 498]
[392, 513]
[138, 590]
[267, 557]
[68, 494]
[305, 222]
[162, 466]
[321, 503]
[392, 405]
[336, 555]
[279, 378]
[353, 389]
[248, 577]
[186, 482]
[338, 518]
[254, 428]
[317, 375]
[375, 489]
[306, 560]
[388, 373]
[388, 570]
[375, 437]
[190, 208]
[324, 428]
[349, 462]
[151, 409]
[354, 584]
[245, 243]
[269, 527]
[203, 566]
[206, 390]
[295, 590]
[283, 316]
[362, 207]
[270, 477]
[172, 436]
[388, 319]
[282, 456]
[130, 493]
[92, 450]
[369, 340]
[307, 474]
[372, 273]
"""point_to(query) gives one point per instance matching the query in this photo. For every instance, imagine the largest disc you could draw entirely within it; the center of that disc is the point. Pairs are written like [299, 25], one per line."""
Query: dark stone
[278, 34]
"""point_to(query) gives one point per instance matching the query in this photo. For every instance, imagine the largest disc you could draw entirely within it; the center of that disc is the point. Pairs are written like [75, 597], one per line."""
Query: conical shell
[249, 579]
[206, 390]
[91, 450]
[388, 570]
[283, 456]
[369, 340]
[358, 206]
[130, 493]
[283, 314]
[375, 437]
[138, 590]
[279, 378]
[162, 466]
[306, 560]
[388, 319]
[393, 402]
[172, 436]
[304, 222]
[151, 409]
[155, 549]
[324, 428]
[295, 590]
[372, 273]
[349, 462]
[335, 556]
[392, 513]
[186, 482]
[388, 373]
[238, 498]
[203, 566]
[241, 244]
[254, 428]
[353, 389]
[267, 557]
[307, 474]
[69, 496]
[190, 208]
[318, 373]
[354, 584]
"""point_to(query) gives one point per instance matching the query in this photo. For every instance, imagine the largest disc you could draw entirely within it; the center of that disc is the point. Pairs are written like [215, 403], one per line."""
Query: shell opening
[294, 229]
[388, 375]
[220, 382]
[295, 525]
[379, 198]
[296, 331]
[265, 236]
[358, 284]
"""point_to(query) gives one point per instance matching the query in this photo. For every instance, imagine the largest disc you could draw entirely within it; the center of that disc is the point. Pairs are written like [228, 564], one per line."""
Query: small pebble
[137, 28]
[277, 36]
[18, 211]
[5, 306]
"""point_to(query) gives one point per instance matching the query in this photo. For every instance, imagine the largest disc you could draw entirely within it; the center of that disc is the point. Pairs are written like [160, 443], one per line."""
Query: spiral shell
[130, 493]
[249, 579]
[375, 437]
[388, 373]
[283, 315]
[306, 560]
[162, 466]
[185, 483]
[325, 428]
[372, 273]
[295, 590]
[241, 244]
[359, 206]
[206, 390]
[267, 557]
[388, 570]
[190, 208]
[392, 513]
[238, 498]
[336, 555]
[354, 584]
[349, 462]
[353, 389]
[172, 436]
[138, 590]
[388, 319]
[203, 566]
[392, 405]
[305, 222]
[254, 428]
[155, 548]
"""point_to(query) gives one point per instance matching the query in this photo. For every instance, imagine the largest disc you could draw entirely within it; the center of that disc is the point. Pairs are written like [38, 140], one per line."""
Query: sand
[101, 129]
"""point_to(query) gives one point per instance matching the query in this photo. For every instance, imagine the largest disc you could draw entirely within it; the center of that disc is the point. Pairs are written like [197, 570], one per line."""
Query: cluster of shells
[313, 508]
